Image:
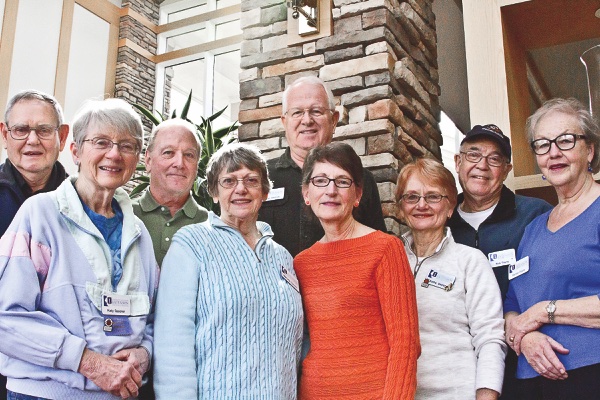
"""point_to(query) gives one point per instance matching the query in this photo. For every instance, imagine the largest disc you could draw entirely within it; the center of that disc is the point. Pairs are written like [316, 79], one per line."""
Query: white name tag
[439, 280]
[504, 257]
[520, 267]
[116, 304]
[276, 194]
[289, 278]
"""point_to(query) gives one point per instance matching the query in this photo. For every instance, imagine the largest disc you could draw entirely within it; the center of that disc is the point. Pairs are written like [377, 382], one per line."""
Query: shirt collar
[148, 204]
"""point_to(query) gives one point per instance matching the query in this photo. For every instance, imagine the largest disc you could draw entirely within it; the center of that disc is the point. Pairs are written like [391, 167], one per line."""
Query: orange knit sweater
[359, 301]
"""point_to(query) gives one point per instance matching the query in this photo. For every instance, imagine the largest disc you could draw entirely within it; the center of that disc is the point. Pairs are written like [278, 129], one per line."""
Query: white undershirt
[476, 218]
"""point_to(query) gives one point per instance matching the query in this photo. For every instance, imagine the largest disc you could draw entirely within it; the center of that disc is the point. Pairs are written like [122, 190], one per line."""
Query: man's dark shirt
[294, 225]
[14, 190]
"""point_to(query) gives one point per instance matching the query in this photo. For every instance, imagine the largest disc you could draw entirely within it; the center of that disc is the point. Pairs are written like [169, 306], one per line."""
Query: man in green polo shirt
[172, 162]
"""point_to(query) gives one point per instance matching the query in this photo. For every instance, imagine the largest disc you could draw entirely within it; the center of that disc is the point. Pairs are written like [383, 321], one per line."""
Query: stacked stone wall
[381, 64]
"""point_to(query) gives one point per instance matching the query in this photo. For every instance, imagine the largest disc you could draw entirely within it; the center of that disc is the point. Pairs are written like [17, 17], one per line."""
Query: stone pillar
[381, 64]
[135, 74]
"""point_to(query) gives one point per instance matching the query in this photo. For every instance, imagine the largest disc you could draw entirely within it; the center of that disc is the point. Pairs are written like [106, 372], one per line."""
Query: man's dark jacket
[14, 190]
[294, 226]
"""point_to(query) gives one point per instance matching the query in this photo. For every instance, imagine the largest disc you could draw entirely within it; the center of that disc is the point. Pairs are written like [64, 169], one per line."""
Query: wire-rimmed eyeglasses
[323, 181]
[566, 141]
[495, 160]
[430, 198]
[313, 112]
[105, 144]
[21, 132]
[229, 182]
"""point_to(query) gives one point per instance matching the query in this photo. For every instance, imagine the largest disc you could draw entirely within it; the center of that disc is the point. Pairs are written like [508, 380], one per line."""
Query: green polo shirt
[161, 225]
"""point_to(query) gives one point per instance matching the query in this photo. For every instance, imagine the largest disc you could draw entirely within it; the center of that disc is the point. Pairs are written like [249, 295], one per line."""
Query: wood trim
[201, 48]
[9, 26]
[137, 48]
[64, 46]
[127, 11]
[103, 9]
[111, 60]
[196, 19]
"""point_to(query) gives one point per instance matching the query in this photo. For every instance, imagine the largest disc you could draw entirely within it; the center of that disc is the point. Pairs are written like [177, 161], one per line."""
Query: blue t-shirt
[112, 231]
[562, 265]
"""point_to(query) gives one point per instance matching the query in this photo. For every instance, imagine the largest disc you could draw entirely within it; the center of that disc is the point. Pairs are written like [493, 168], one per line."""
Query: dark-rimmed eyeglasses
[107, 144]
[21, 132]
[323, 181]
[313, 112]
[229, 182]
[566, 141]
[413, 198]
[494, 160]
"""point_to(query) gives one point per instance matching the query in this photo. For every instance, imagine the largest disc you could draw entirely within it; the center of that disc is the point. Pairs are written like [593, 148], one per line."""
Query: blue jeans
[18, 396]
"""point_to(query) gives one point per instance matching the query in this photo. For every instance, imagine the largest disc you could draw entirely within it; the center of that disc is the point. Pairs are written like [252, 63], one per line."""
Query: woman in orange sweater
[357, 290]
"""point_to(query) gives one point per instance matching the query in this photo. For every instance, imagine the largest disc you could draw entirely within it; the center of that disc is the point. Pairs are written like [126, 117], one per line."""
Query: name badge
[439, 280]
[520, 267]
[276, 194]
[117, 326]
[504, 257]
[116, 304]
[289, 278]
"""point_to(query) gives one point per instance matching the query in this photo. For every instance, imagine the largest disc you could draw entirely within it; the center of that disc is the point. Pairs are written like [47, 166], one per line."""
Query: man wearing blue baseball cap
[489, 216]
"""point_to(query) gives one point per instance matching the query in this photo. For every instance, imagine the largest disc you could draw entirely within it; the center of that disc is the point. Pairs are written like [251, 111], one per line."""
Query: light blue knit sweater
[228, 325]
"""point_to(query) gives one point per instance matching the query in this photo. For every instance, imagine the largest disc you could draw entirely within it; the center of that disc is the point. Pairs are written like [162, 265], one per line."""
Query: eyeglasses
[229, 182]
[566, 141]
[413, 198]
[107, 144]
[323, 181]
[494, 160]
[21, 132]
[314, 112]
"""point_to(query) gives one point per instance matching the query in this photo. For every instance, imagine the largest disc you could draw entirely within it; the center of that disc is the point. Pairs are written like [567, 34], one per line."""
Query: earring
[77, 162]
[589, 167]
[307, 202]
[543, 177]
[356, 203]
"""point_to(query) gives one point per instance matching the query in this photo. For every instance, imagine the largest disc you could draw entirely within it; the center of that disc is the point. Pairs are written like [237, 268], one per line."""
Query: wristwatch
[550, 309]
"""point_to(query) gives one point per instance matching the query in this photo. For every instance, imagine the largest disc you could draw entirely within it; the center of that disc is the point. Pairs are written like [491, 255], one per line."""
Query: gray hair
[573, 107]
[233, 157]
[32, 94]
[116, 114]
[308, 80]
[174, 122]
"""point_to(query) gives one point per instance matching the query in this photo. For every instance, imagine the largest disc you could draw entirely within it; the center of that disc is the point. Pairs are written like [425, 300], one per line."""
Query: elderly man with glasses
[489, 216]
[33, 133]
[309, 119]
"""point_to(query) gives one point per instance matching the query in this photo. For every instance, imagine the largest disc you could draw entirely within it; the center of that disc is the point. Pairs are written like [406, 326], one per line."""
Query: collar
[148, 203]
[57, 176]
[285, 160]
[215, 221]
[408, 240]
[505, 208]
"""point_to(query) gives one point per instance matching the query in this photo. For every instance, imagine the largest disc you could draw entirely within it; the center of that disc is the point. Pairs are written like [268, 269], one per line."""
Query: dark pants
[2, 387]
[582, 384]
[511, 383]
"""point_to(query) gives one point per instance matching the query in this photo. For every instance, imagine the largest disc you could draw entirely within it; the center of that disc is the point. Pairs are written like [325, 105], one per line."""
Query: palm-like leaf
[210, 140]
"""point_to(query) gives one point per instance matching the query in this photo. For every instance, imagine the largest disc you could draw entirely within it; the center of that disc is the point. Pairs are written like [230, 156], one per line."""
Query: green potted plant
[211, 141]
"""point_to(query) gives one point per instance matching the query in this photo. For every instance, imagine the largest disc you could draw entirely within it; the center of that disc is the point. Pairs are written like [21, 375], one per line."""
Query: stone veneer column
[135, 74]
[381, 64]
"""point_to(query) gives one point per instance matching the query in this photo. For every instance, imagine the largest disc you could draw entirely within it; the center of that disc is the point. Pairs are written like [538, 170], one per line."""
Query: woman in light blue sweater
[229, 314]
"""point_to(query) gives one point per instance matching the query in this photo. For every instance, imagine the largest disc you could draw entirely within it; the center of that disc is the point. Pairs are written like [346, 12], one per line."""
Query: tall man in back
[489, 216]
[309, 119]
[33, 133]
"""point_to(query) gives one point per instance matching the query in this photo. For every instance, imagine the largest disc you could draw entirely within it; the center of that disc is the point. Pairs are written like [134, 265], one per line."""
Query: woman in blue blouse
[229, 314]
[552, 309]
